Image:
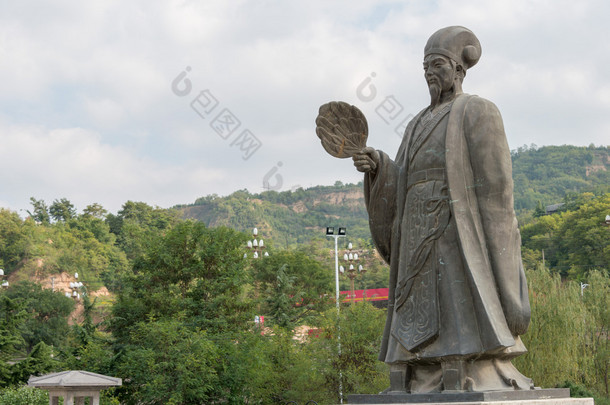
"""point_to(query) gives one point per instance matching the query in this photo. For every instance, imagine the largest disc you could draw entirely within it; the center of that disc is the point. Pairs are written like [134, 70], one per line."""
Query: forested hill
[287, 217]
[542, 175]
[550, 173]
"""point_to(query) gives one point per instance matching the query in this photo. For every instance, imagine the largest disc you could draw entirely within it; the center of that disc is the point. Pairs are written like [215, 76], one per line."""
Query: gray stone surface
[74, 378]
[74, 386]
[441, 215]
[461, 397]
[342, 129]
[560, 401]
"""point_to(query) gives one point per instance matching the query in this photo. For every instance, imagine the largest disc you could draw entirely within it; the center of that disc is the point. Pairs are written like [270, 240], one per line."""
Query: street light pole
[4, 282]
[352, 258]
[256, 245]
[330, 231]
[336, 238]
[582, 288]
[362, 270]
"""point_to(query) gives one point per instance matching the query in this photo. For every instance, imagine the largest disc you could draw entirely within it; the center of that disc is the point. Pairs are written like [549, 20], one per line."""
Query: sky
[168, 101]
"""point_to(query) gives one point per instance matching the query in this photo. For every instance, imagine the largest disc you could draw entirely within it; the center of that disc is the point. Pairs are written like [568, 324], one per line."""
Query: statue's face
[440, 75]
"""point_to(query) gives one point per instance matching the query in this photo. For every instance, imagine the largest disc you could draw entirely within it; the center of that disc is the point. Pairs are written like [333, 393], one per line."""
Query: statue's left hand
[366, 160]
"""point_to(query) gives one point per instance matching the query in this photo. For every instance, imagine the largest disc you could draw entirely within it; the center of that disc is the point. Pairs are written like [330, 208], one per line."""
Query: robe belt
[425, 175]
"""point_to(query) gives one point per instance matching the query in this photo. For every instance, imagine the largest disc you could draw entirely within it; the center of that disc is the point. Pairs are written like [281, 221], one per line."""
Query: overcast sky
[167, 101]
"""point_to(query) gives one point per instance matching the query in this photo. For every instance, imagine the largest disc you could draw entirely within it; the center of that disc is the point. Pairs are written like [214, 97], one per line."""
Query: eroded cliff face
[594, 168]
[60, 282]
[349, 198]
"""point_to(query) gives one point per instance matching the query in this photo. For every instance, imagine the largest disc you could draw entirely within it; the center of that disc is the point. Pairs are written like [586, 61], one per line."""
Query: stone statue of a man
[441, 214]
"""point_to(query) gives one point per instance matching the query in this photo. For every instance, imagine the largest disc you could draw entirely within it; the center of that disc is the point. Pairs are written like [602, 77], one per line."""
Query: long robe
[485, 316]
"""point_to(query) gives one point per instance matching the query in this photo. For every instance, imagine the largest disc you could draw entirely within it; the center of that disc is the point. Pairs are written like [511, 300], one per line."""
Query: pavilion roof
[74, 378]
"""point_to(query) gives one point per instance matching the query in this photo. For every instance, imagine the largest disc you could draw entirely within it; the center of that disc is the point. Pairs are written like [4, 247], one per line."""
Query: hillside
[165, 292]
[288, 218]
[169, 292]
[547, 175]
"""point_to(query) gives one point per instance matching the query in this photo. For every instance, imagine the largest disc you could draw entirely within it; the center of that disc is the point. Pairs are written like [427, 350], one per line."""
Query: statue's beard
[435, 94]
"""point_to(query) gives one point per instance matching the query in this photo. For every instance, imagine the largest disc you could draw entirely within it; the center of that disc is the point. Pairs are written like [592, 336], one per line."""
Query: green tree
[540, 210]
[12, 316]
[574, 241]
[280, 303]
[191, 271]
[12, 371]
[23, 396]
[295, 287]
[556, 338]
[97, 227]
[549, 174]
[567, 339]
[95, 210]
[13, 240]
[137, 223]
[583, 240]
[168, 363]
[85, 332]
[38, 362]
[596, 298]
[358, 328]
[277, 368]
[48, 314]
[40, 211]
[62, 210]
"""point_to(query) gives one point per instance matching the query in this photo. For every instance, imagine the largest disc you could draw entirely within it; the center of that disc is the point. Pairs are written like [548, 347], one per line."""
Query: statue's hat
[457, 43]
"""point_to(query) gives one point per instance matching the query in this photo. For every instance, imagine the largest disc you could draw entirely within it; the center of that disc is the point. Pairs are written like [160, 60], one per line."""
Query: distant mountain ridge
[542, 175]
[287, 217]
[550, 173]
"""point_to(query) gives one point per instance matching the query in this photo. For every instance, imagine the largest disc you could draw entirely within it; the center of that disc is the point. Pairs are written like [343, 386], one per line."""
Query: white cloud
[76, 164]
[88, 113]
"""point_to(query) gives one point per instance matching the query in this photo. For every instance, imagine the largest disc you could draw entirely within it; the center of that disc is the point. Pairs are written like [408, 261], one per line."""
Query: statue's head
[448, 54]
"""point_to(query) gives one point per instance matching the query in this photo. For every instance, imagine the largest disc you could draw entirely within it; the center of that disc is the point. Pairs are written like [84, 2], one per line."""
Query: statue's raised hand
[366, 160]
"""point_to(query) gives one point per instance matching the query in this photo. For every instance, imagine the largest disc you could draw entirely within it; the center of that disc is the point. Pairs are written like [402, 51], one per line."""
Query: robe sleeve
[493, 184]
[380, 197]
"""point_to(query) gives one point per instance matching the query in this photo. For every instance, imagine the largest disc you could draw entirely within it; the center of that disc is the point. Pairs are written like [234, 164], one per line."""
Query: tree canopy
[178, 323]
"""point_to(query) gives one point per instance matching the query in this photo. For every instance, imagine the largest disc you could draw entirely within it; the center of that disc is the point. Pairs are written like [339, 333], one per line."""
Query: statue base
[559, 396]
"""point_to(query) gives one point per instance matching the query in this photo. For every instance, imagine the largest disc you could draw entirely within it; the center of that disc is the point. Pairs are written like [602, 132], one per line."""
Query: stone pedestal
[559, 396]
[557, 401]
